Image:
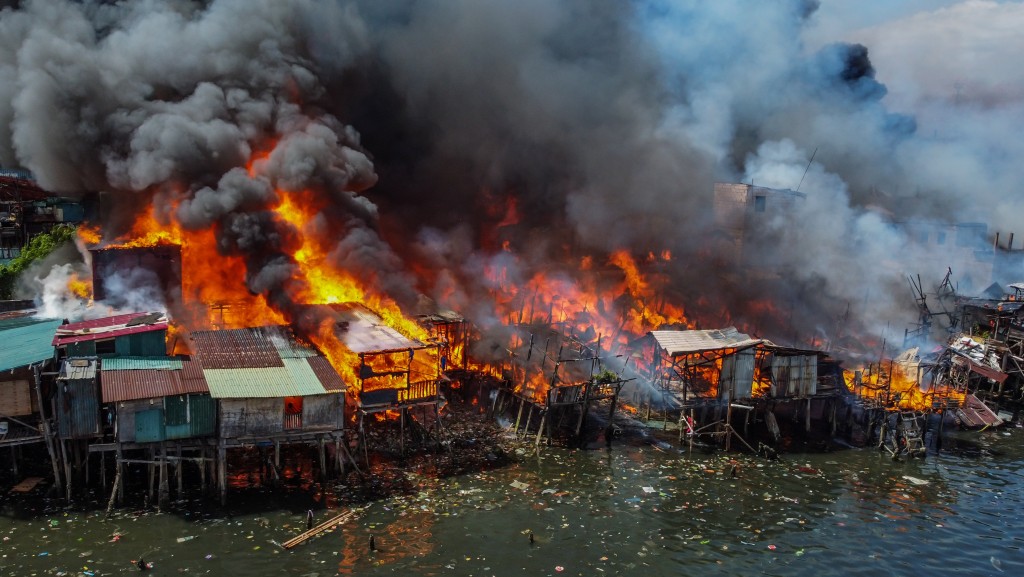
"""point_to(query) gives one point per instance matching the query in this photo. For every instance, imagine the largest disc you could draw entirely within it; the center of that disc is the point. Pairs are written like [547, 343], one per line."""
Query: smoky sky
[607, 121]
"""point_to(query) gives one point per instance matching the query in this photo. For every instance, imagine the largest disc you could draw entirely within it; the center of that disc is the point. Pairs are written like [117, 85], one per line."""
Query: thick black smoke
[607, 121]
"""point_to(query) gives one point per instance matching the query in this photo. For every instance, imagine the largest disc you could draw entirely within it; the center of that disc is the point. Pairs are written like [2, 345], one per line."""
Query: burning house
[708, 374]
[390, 372]
[272, 391]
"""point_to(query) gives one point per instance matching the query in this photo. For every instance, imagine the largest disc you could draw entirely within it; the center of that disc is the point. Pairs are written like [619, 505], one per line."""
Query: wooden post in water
[47, 433]
[323, 458]
[164, 489]
[118, 480]
[177, 469]
[222, 472]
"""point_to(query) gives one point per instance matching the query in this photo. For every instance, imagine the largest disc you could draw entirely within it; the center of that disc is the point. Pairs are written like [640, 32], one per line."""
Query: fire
[897, 388]
[614, 304]
[80, 287]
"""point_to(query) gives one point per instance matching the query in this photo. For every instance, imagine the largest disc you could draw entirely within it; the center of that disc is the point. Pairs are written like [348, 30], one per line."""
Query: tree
[37, 248]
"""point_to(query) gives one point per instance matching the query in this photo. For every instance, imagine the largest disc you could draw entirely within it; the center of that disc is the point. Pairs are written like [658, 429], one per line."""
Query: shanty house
[158, 399]
[26, 347]
[730, 365]
[267, 384]
[132, 334]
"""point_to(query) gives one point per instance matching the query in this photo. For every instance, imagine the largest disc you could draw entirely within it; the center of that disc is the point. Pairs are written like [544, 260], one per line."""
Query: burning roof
[262, 362]
[109, 327]
[688, 342]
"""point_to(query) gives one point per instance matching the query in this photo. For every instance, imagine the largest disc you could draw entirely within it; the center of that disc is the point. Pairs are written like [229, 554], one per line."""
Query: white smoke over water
[608, 121]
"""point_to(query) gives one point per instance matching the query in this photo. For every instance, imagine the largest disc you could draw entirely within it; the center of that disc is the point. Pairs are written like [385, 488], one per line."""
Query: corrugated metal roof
[74, 369]
[109, 327]
[19, 318]
[237, 348]
[27, 344]
[141, 363]
[295, 379]
[131, 384]
[325, 372]
[685, 342]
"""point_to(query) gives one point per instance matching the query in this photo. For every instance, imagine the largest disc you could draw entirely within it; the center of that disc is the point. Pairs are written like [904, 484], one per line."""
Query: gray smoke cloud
[412, 123]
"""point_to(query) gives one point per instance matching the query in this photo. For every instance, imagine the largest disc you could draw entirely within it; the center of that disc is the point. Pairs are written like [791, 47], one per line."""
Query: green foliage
[606, 377]
[37, 248]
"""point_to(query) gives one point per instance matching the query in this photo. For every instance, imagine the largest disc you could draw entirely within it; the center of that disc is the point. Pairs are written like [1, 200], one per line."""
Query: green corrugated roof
[295, 379]
[141, 363]
[28, 344]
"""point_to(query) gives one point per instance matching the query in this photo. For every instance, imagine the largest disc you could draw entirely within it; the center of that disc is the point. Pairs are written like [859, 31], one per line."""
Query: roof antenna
[806, 169]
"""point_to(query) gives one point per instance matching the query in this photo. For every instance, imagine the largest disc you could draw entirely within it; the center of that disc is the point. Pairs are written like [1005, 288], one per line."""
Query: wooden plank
[321, 528]
[26, 485]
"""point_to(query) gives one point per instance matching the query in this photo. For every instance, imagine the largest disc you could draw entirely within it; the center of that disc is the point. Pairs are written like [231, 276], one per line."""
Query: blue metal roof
[25, 345]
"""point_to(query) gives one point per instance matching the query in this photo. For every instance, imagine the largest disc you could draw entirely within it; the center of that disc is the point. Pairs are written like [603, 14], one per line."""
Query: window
[105, 347]
[760, 203]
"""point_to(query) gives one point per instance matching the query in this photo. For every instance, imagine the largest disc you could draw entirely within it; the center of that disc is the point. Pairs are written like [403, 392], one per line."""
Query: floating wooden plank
[26, 485]
[321, 528]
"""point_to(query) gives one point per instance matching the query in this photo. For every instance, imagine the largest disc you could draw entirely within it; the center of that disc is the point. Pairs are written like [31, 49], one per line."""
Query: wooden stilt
[540, 429]
[114, 493]
[177, 469]
[277, 460]
[323, 458]
[118, 478]
[519, 416]
[151, 469]
[338, 461]
[401, 431]
[202, 470]
[222, 472]
[67, 469]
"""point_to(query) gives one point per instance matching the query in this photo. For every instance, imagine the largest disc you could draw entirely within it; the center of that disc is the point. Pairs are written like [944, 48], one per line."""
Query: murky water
[633, 511]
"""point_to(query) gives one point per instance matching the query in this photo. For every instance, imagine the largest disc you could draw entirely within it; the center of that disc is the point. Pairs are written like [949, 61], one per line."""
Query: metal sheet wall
[795, 376]
[149, 425]
[78, 409]
[322, 412]
[149, 344]
[202, 415]
[251, 417]
[737, 378]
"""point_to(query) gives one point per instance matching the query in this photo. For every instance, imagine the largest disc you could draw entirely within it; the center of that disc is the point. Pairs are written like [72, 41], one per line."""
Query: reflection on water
[633, 511]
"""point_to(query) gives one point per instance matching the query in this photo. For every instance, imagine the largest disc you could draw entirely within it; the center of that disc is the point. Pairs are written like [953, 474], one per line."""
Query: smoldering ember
[289, 245]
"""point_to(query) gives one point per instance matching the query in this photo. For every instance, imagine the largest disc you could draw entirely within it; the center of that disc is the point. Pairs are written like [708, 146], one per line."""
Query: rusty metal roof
[109, 327]
[249, 348]
[325, 372]
[130, 378]
[688, 342]
[261, 362]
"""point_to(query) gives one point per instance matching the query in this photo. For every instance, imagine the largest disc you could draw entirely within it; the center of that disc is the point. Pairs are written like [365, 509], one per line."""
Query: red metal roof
[249, 348]
[326, 374]
[109, 327]
[151, 383]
